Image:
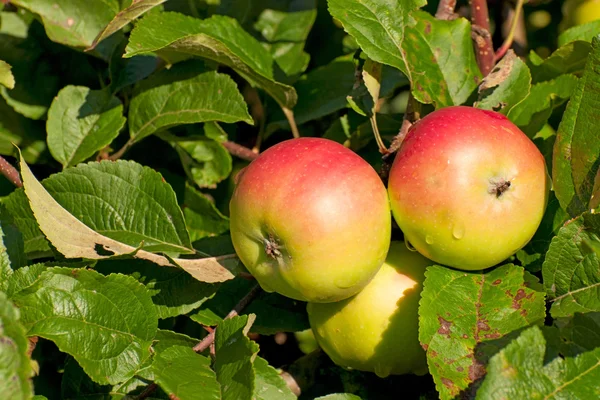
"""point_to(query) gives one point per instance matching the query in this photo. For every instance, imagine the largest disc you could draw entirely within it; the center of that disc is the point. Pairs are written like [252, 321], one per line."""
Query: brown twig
[10, 172]
[445, 10]
[484, 49]
[240, 151]
[148, 391]
[121, 151]
[210, 338]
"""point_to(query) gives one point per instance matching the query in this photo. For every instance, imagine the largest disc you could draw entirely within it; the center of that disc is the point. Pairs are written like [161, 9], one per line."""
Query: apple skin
[311, 220]
[442, 187]
[377, 330]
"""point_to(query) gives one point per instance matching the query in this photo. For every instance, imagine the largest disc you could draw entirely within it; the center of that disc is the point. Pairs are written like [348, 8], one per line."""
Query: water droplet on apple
[458, 231]
[345, 282]
[381, 370]
[409, 246]
[429, 239]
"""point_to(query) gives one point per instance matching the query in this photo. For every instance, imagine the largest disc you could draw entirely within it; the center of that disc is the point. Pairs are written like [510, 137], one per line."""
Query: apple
[578, 12]
[377, 330]
[311, 220]
[468, 188]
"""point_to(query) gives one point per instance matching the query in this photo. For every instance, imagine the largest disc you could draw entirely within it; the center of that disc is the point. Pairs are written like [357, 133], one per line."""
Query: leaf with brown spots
[506, 86]
[464, 318]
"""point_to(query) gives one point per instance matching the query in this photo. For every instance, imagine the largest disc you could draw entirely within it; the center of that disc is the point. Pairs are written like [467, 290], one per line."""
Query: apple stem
[10, 172]
[240, 151]
[289, 114]
[511, 34]
[484, 50]
[378, 139]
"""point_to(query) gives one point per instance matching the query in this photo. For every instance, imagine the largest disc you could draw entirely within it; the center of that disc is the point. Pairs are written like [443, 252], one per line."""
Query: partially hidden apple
[468, 188]
[377, 329]
[310, 219]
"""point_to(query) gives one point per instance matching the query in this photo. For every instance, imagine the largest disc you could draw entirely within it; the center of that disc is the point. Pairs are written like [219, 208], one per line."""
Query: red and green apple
[310, 219]
[468, 188]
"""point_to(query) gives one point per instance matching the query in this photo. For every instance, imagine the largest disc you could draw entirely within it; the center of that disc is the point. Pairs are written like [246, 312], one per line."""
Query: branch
[210, 338]
[122, 151]
[445, 10]
[240, 151]
[10, 172]
[484, 50]
[511, 34]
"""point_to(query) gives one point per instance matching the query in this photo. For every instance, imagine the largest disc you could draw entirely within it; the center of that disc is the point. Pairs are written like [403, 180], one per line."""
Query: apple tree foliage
[128, 121]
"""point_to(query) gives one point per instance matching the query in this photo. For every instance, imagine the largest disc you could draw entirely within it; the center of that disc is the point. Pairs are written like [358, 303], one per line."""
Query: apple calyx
[272, 247]
[498, 187]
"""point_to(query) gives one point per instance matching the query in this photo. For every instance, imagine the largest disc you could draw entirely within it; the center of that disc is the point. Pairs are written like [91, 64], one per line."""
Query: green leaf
[74, 23]
[74, 239]
[202, 216]
[463, 318]
[533, 254]
[70, 306]
[568, 59]
[34, 240]
[183, 374]
[274, 313]
[320, 95]
[204, 160]
[441, 74]
[234, 355]
[124, 17]
[35, 86]
[506, 85]
[571, 270]
[184, 94]
[268, 384]
[286, 32]
[6, 77]
[12, 252]
[127, 71]
[81, 122]
[174, 292]
[162, 341]
[175, 36]
[533, 112]
[23, 278]
[148, 213]
[580, 333]
[577, 148]
[339, 396]
[521, 371]
[27, 134]
[75, 384]
[584, 32]
[15, 366]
